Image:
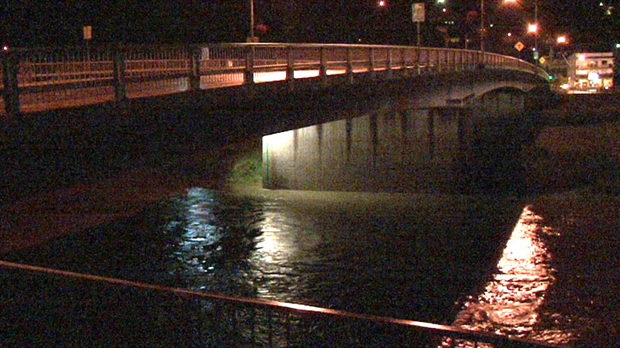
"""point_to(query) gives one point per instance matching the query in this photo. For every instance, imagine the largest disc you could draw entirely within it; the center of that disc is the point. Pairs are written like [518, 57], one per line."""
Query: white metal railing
[48, 78]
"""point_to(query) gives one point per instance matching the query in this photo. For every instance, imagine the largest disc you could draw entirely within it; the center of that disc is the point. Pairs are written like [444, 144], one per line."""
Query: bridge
[52, 78]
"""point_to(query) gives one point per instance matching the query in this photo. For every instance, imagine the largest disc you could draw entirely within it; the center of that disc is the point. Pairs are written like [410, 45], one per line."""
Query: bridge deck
[42, 79]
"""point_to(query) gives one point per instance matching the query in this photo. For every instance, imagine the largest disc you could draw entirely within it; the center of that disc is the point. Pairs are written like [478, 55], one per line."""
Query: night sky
[31, 23]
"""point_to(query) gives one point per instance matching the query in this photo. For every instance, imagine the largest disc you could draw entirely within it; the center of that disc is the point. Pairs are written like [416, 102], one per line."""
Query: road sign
[88, 32]
[417, 12]
[519, 46]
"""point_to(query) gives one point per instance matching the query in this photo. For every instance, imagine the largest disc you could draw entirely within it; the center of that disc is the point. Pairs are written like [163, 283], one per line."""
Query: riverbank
[577, 146]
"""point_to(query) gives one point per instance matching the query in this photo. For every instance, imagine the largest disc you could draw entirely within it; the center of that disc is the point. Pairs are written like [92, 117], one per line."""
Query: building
[590, 72]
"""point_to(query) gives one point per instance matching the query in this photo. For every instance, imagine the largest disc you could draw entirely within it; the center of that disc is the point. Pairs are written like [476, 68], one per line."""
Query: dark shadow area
[506, 156]
[586, 258]
[493, 162]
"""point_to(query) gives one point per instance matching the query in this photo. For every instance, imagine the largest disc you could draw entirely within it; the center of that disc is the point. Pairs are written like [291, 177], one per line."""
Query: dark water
[478, 262]
[411, 257]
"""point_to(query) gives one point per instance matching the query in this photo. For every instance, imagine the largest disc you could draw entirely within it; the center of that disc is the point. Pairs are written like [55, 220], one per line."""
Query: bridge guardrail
[47, 78]
[201, 318]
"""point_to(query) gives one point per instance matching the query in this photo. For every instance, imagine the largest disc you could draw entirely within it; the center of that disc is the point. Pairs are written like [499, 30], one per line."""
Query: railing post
[390, 63]
[10, 68]
[371, 63]
[441, 60]
[194, 75]
[465, 61]
[417, 60]
[248, 77]
[403, 61]
[350, 64]
[290, 67]
[120, 82]
[323, 66]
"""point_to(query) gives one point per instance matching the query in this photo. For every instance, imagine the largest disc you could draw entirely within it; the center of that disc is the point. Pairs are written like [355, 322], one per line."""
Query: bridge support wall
[411, 150]
[388, 150]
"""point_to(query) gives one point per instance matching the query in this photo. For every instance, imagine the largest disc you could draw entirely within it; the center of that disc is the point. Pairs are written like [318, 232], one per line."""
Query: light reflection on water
[224, 245]
[265, 248]
[211, 242]
[376, 254]
[510, 303]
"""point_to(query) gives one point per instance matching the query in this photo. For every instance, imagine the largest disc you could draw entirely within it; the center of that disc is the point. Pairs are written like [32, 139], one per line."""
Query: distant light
[5, 48]
[382, 3]
[532, 28]
[441, 1]
[509, 34]
[618, 45]
[581, 57]
[562, 39]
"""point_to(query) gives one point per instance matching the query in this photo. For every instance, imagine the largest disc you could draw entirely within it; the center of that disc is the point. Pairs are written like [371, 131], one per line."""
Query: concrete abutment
[396, 148]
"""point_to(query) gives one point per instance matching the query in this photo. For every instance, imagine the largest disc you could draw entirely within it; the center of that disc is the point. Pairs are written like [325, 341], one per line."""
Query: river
[481, 262]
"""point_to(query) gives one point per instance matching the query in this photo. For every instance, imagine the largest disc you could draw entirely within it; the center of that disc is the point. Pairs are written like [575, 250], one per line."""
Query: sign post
[88, 35]
[418, 16]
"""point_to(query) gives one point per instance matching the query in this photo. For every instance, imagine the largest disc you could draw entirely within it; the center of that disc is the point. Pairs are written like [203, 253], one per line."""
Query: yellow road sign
[519, 46]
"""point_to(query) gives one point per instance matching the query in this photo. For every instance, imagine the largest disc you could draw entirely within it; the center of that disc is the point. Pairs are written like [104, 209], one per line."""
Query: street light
[562, 40]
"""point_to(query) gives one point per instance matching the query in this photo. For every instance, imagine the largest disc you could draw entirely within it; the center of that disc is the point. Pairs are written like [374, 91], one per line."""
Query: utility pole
[251, 21]
[482, 27]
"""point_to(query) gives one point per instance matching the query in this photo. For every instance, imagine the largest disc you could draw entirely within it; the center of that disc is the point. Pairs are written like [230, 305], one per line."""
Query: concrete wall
[389, 150]
[395, 148]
